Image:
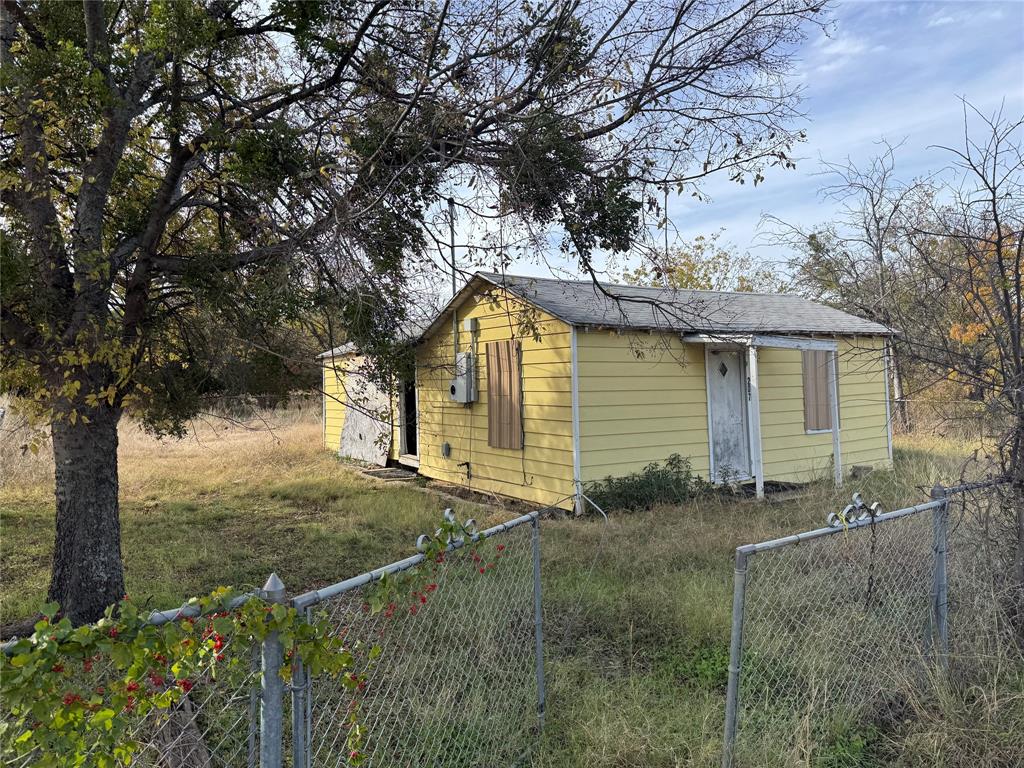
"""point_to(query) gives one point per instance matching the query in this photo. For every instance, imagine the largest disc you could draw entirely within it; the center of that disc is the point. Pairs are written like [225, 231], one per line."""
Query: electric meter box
[463, 385]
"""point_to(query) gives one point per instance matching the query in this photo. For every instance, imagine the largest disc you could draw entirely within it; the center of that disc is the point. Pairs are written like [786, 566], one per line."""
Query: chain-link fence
[446, 670]
[829, 624]
[451, 656]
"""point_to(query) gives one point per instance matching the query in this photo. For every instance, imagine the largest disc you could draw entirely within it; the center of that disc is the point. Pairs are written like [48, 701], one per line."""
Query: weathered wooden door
[366, 431]
[727, 409]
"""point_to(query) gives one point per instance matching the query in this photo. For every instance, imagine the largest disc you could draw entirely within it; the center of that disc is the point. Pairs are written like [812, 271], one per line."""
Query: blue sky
[890, 70]
[883, 69]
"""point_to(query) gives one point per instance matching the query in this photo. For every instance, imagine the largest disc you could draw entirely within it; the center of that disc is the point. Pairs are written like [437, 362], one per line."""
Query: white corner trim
[885, 384]
[833, 380]
[754, 421]
[707, 407]
[577, 477]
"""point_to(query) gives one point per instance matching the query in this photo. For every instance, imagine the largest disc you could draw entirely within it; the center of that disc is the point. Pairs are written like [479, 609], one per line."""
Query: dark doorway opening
[409, 443]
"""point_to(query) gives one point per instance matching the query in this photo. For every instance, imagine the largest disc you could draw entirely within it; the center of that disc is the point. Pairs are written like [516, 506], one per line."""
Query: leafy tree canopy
[706, 264]
[178, 176]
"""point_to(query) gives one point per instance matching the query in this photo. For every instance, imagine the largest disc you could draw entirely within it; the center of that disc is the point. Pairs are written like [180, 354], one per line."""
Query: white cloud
[832, 54]
[980, 14]
[831, 66]
[888, 73]
[844, 46]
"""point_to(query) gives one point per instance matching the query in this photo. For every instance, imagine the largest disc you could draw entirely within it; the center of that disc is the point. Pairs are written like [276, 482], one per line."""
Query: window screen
[817, 411]
[504, 396]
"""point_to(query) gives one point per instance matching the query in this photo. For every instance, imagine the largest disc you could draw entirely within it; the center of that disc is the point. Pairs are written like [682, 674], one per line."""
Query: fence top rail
[965, 487]
[316, 596]
[188, 611]
[797, 538]
[191, 611]
[941, 497]
[158, 618]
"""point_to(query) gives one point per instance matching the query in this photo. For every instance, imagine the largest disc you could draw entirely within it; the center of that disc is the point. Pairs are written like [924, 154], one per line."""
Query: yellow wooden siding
[642, 398]
[334, 399]
[792, 454]
[542, 471]
[338, 376]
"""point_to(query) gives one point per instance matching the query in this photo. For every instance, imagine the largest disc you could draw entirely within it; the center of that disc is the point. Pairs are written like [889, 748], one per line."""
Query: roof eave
[663, 329]
[469, 289]
[452, 306]
[479, 278]
[335, 352]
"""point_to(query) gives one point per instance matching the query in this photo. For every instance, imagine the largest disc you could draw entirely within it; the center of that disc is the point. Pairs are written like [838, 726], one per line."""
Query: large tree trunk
[179, 738]
[87, 570]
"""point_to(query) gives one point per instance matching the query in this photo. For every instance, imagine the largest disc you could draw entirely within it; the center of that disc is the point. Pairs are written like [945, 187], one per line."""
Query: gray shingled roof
[410, 333]
[581, 303]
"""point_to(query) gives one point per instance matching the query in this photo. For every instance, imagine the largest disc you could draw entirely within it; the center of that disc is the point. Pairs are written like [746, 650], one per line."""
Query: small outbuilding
[532, 388]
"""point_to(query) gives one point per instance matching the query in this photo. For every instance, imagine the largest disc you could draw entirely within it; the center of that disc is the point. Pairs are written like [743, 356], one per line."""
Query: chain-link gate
[452, 664]
[828, 622]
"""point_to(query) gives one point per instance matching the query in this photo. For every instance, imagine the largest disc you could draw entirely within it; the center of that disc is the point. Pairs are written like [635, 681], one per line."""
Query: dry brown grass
[226, 505]
[216, 453]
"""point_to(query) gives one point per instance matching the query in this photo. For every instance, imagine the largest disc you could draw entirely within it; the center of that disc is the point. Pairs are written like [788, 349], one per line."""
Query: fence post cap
[274, 588]
[937, 491]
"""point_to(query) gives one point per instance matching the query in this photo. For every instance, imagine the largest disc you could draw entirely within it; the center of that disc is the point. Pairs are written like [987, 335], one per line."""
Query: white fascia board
[743, 339]
[761, 340]
[795, 342]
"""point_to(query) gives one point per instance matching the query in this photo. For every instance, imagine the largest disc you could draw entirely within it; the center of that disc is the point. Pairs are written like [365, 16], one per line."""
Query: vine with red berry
[409, 590]
[92, 695]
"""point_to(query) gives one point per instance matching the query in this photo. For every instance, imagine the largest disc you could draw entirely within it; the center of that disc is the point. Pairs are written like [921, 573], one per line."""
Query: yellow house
[532, 388]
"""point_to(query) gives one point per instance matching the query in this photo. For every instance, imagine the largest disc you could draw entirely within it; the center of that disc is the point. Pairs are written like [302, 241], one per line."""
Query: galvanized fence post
[538, 628]
[302, 708]
[940, 577]
[272, 699]
[739, 592]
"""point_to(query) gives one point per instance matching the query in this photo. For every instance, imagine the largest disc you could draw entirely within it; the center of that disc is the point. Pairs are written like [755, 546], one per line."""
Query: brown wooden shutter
[817, 411]
[495, 399]
[504, 396]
